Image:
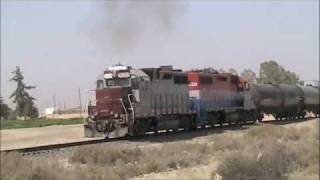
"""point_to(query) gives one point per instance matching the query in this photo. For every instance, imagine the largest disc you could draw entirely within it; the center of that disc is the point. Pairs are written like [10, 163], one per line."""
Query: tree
[24, 101]
[272, 72]
[4, 110]
[249, 76]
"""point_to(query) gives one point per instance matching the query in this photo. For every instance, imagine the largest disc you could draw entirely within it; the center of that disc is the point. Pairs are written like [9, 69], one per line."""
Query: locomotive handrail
[120, 99]
[131, 107]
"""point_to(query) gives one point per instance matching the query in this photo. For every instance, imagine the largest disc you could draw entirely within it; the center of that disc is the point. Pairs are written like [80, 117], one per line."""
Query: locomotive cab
[110, 114]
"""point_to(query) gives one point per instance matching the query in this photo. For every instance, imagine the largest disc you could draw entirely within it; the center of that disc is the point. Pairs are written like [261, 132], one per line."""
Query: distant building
[314, 83]
[75, 112]
[49, 111]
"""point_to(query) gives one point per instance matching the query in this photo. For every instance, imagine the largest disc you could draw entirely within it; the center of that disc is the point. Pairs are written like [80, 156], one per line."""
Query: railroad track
[36, 150]
[287, 121]
[44, 149]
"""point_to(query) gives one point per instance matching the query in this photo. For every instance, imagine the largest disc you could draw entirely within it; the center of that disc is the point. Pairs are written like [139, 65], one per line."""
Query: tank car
[310, 99]
[267, 98]
[284, 101]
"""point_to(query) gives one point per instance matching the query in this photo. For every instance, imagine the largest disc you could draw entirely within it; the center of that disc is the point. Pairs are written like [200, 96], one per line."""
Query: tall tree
[272, 72]
[248, 75]
[4, 110]
[24, 101]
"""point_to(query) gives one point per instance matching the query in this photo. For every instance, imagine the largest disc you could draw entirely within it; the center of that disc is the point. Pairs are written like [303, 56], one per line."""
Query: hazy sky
[60, 47]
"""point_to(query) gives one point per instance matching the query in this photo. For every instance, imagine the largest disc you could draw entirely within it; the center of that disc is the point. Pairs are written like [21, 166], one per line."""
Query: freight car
[285, 101]
[136, 101]
[310, 99]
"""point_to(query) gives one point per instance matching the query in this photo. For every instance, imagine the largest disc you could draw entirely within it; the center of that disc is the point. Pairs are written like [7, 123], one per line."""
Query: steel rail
[61, 145]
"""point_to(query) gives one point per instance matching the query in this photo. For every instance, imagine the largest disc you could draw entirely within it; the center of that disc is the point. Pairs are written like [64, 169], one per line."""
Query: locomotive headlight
[108, 75]
[116, 115]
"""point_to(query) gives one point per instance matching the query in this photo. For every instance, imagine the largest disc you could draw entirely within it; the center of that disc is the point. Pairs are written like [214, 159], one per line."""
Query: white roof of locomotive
[140, 73]
[118, 67]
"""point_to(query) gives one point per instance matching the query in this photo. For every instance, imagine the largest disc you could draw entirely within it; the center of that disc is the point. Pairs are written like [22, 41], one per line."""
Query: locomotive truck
[133, 102]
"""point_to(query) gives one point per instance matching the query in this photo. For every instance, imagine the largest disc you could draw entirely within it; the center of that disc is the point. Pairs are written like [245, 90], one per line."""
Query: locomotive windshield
[117, 77]
[118, 82]
[121, 77]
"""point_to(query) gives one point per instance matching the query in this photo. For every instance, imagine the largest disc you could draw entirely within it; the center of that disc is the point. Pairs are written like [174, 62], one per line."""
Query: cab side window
[135, 83]
[99, 84]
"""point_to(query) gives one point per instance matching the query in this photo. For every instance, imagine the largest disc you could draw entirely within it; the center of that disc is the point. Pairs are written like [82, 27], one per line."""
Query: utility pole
[54, 105]
[80, 103]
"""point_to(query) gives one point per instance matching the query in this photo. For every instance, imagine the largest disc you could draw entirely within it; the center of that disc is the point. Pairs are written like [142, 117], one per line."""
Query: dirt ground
[28, 137]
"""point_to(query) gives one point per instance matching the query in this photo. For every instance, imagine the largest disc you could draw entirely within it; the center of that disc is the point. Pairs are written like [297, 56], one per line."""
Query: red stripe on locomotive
[108, 102]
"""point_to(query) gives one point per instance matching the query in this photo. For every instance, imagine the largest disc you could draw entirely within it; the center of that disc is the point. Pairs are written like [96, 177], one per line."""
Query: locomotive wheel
[292, 117]
[140, 128]
[221, 118]
[186, 123]
[193, 124]
[154, 125]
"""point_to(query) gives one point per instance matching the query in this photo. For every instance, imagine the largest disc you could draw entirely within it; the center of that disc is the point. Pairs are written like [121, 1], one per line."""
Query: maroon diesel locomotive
[133, 102]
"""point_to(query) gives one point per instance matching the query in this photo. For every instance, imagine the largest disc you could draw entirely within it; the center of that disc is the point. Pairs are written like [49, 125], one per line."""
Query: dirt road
[28, 137]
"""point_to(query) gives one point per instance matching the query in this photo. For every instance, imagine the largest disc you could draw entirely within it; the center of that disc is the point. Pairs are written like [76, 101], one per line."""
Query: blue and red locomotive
[136, 101]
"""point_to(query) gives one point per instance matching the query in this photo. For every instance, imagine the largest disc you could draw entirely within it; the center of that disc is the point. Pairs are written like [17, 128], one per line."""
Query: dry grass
[125, 163]
[273, 152]
[16, 167]
[105, 162]
[270, 162]
[263, 152]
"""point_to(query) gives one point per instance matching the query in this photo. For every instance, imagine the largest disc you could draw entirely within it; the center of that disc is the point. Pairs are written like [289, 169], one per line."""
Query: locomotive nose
[109, 114]
[109, 103]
